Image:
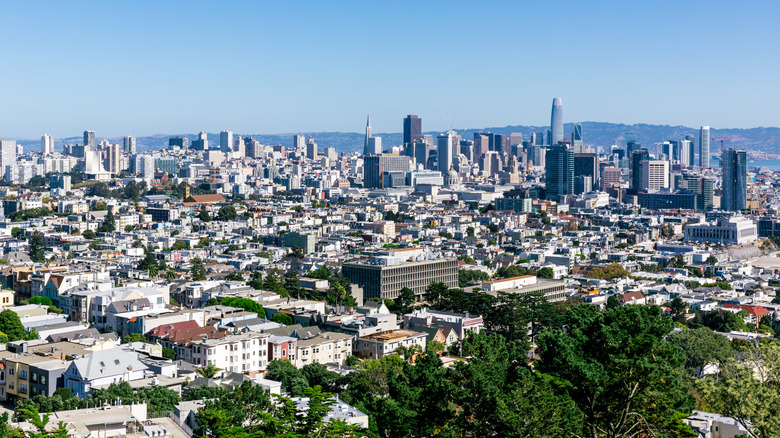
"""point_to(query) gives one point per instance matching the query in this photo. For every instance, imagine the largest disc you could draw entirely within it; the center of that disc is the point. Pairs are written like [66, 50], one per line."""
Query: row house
[241, 353]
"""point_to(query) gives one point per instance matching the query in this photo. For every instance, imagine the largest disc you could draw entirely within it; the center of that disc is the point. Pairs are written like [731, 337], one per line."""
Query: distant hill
[594, 133]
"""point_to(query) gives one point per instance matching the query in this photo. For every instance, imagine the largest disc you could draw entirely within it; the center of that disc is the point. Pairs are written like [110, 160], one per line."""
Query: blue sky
[151, 67]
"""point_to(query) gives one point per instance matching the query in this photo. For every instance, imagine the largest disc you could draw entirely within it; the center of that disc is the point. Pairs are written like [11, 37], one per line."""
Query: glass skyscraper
[556, 122]
[734, 171]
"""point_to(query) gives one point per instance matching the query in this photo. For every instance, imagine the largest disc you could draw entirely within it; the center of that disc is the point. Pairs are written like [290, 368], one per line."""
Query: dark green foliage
[45, 301]
[134, 337]
[282, 318]
[244, 303]
[701, 346]
[722, 321]
[204, 216]
[169, 353]
[109, 223]
[545, 273]
[468, 276]
[213, 302]
[30, 213]
[37, 248]
[11, 325]
[619, 370]
[226, 213]
[178, 245]
[197, 270]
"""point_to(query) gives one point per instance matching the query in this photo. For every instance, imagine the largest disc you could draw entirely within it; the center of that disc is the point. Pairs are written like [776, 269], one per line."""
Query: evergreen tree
[37, 248]
[109, 224]
[197, 270]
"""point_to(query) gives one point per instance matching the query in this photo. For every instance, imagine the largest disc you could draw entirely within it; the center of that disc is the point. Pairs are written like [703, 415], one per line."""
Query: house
[461, 323]
[382, 344]
[281, 348]
[635, 297]
[754, 313]
[241, 353]
[103, 368]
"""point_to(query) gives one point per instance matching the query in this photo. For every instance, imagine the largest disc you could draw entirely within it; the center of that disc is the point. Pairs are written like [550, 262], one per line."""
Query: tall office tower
[556, 122]
[180, 142]
[226, 141]
[635, 168]
[130, 145]
[420, 153]
[239, 147]
[576, 134]
[611, 176]
[202, 143]
[444, 152]
[311, 149]
[515, 138]
[412, 129]
[654, 175]
[491, 163]
[734, 172]
[113, 160]
[631, 146]
[538, 138]
[252, 147]
[373, 146]
[687, 153]
[89, 139]
[7, 154]
[704, 147]
[378, 167]
[299, 144]
[331, 154]
[368, 135]
[692, 139]
[587, 164]
[559, 172]
[47, 144]
[664, 149]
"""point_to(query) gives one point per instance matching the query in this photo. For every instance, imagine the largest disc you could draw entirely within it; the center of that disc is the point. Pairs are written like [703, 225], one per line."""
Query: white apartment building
[324, 348]
[242, 353]
[727, 231]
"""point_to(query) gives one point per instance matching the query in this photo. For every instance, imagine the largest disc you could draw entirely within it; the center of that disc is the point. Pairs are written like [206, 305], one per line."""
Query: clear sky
[149, 67]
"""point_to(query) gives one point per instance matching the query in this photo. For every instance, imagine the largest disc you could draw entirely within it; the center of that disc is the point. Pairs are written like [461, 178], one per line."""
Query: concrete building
[552, 290]
[242, 353]
[728, 231]
[653, 175]
[384, 277]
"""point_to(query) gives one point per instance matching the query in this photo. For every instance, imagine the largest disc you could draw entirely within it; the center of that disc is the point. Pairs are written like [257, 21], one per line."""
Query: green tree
[722, 321]
[208, 371]
[748, 389]
[134, 337]
[701, 347]
[282, 318]
[178, 245]
[197, 270]
[109, 224]
[204, 216]
[149, 264]
[37, 248]
[16, 232]
[620, 371]
[44, 301]
[11, 325]
[679, 308]
[169, 353]
[545, 273]
[292, 378]
[711, 260]
[226, 213]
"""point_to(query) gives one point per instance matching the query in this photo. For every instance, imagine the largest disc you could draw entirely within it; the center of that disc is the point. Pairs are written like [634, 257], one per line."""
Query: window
[34, 377]
[11, 386]
[11, 371]
[23, 374]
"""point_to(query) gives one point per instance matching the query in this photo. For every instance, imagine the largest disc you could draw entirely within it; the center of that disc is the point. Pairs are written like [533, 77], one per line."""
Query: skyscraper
[202, 143]
[378, 167]
[692, 151]
[635, 168]
[704, 147]
[113, 159]
[372, 145]
[47, 144]
[89, 139]
[299, 143]
[130, 145]
[368, 133]
[226, 141]
[7, 154]
[587, 164]
[559, 172]
[182, 142]
[412, 129]
[556, 122]
[311, 148]
[444, 151]
[734, 172]
[654, 175]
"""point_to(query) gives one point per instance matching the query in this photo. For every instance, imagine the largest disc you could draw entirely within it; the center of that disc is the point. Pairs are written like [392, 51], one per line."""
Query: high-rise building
[113, 161]
[559, 171]
[587, 164]
[654, 175]
[238, 146]
[377, 167]
[181, 142]
[704, 147]
[373, 146]
[7, 154]
[130, 145]
[47, 144]
[387, 280]
[226, 141]
[686, 153]
[412, 129]
[311, 149]
[611, 176]
[635, 168]
[734, 172]
[576, 134]
[444, 151]
[202, 143]
[631, 146]
[89, 139]
[252, 147]
[556, 121]
[299, 143]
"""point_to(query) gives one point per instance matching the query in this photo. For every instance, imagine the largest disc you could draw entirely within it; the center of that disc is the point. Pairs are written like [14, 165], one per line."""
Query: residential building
[381, 344]
[384, 277]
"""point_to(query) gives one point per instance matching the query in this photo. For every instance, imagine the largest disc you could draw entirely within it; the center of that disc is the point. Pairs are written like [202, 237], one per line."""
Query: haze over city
[149, 68]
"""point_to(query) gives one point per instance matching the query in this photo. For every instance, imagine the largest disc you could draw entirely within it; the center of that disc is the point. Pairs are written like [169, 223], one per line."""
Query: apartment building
[242, 353]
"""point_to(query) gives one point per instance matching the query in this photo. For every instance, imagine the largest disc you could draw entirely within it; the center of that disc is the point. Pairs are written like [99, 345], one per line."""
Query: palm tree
[209, 371]
[170, 275]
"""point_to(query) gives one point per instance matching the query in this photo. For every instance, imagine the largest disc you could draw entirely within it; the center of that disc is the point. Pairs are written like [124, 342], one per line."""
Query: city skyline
[306, 64]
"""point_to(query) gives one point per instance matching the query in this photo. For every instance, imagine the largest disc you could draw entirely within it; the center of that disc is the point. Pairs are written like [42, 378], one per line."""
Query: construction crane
[722, 139]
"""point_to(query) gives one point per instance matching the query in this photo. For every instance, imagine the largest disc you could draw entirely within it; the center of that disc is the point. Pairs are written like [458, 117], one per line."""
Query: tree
[405, 300]
[701, 347]
[16, 232]
[204, 216]
[170, 274]
[245, 303]
[89, 234]
[234, 276]
[679, 308]
[282, 318]
[613, 302]
[212, 302]
[37, 248]
[711, 260]
[134, 337]
[545, 272]
[109, 224]
[226, 213]
[619, 371]
[11, 325]
[179, 245]
[470, 231]
[197, 271]
[44, 301]
[292, 378]
[748, 389]
[208, 371]
[41, 423]
[169, 353]
[149, 264]
[722, 321]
